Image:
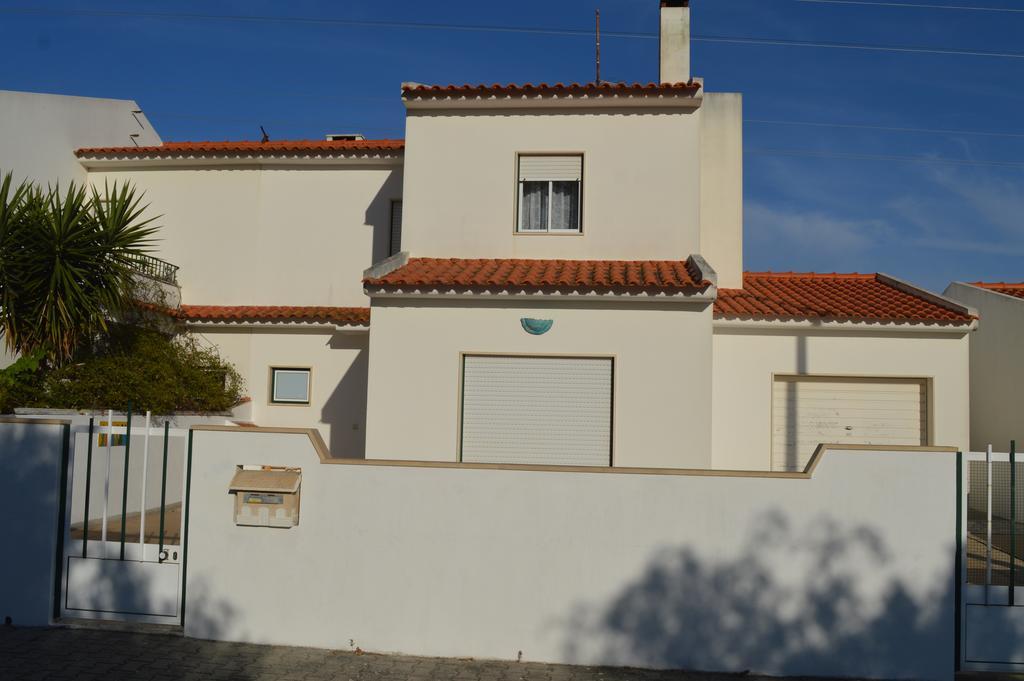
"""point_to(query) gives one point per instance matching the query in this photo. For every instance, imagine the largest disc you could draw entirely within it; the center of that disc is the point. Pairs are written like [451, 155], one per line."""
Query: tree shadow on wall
[815, 600]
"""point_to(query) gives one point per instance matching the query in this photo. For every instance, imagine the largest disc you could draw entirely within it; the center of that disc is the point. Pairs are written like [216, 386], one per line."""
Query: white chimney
[674, 55]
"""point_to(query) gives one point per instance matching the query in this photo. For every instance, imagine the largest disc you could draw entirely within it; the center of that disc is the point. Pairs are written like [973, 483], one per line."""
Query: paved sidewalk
[83, 654]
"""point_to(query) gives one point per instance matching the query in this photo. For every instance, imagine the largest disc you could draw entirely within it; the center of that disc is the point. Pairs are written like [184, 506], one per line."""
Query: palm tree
[66, 263]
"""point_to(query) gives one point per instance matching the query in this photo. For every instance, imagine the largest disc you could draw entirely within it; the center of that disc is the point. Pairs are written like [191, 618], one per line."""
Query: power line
[886, 128]
[873, 3]
[880, 157]
[742, 40]
[867, 47]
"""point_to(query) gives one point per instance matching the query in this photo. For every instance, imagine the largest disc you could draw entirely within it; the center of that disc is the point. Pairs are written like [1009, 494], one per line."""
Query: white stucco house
[997, 368]
[540, 274]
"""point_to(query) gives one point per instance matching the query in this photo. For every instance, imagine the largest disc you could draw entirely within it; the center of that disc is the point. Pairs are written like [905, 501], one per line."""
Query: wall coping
[325, 458]
[35, 421]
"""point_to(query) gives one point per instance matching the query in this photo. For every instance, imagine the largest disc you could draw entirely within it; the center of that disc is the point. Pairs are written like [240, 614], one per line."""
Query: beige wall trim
[325, 457]
[39, 422]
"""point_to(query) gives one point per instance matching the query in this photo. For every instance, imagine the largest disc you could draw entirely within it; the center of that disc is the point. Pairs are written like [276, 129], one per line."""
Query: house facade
[997, 371]
[540, 274]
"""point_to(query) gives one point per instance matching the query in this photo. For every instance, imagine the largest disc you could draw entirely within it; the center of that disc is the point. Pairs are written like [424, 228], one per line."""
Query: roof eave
[277, 324]
[109, 161]
[456, 100]
[841, 325]
[702, 296]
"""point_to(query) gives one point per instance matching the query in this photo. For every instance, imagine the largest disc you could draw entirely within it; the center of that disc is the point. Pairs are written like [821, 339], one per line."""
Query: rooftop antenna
[597, 14]
[266, 137]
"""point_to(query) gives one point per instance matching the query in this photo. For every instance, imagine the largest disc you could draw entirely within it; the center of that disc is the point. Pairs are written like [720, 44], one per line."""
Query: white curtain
[534, 208]
[565, 201]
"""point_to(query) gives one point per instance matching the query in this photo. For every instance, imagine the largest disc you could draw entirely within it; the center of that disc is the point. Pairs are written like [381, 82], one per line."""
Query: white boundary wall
[30, 463]
[848, 573]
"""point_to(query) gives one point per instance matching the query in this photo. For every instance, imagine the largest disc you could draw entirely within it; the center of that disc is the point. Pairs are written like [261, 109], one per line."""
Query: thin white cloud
[813, 232]
[970, 211]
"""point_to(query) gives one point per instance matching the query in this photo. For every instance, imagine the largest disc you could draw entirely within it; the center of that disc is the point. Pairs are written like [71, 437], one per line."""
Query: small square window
[550, 190]
[289, 386]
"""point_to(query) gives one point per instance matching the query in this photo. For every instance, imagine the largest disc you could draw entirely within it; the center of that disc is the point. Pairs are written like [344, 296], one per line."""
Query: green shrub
[19, 383]
[151, 370]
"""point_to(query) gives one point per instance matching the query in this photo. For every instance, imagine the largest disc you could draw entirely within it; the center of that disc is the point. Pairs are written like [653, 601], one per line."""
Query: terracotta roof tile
[416, 90]
[1006, 288]
[663, 276]
[248, 148]
[839, 297]
[354, 316]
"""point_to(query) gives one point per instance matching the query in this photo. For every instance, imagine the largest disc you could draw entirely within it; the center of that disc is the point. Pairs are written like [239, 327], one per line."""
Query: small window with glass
[289, 385]
[550, 193]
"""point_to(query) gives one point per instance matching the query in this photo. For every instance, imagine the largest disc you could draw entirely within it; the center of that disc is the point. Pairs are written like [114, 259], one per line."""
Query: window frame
[613, 405]
[272, 396]
[392, 250]
[578, 231]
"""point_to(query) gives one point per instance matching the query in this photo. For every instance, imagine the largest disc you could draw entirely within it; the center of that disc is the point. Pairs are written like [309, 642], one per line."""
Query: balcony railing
[155, 268]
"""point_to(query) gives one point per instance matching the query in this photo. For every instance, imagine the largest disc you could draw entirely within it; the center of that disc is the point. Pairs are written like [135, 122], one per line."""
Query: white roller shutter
[808, 411]
[551, 168]
[537, 410]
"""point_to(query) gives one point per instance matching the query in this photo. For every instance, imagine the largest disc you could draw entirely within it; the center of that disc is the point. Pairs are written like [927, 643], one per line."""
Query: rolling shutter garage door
[808, 411]
[537, 410]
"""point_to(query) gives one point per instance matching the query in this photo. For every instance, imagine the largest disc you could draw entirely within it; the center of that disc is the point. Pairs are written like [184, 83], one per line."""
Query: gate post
[958, 563]
[1013, 520]
[58, 567]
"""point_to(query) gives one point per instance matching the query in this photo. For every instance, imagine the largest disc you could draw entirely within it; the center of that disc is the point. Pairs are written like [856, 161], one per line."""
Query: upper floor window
[550, 193]
[395, 241]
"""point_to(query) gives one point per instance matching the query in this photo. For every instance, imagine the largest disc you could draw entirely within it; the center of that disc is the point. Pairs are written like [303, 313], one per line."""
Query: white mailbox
[267, 497]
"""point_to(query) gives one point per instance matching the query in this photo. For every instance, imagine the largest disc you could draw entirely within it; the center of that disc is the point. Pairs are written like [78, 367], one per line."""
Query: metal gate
[126, 509]
[991, 561]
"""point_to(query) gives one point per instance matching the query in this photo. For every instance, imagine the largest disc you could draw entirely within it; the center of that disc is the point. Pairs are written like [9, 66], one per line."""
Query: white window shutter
[537, 410]
[551, 168]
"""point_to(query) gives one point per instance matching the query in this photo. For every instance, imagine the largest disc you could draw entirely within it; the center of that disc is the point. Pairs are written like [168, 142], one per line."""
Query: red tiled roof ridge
[998, 284]
[542, 88]
[541, 273]
[813, 275]
[243, 146]
[1013, 289]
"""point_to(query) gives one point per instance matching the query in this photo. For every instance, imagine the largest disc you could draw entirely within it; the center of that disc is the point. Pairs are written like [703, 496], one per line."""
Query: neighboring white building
[40, 132]
[557, 278]
[997, 370]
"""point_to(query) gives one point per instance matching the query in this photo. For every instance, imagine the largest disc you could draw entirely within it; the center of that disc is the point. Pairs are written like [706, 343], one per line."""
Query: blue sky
[930, 222]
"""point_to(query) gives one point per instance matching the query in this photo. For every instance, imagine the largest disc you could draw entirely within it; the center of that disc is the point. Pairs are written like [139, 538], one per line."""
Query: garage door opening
[537, 410]
[811, 410]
